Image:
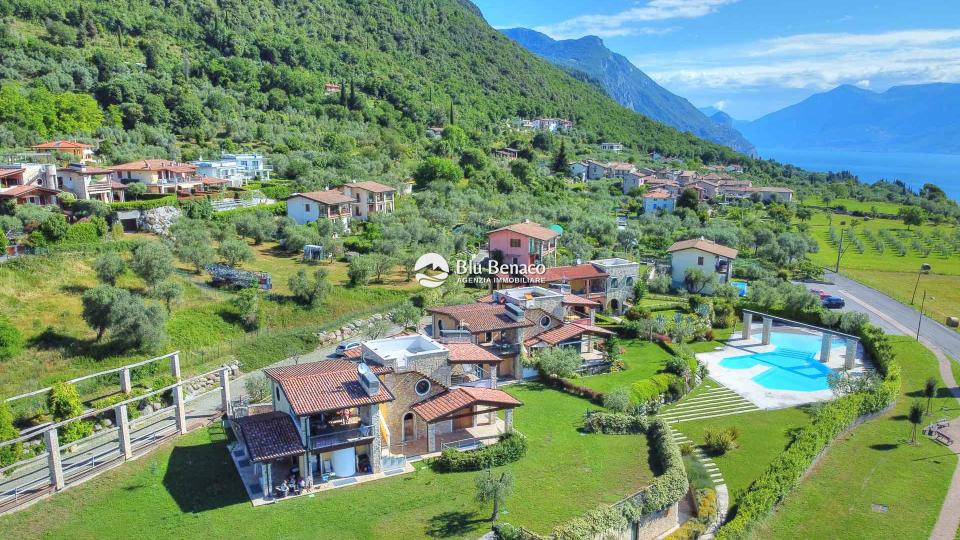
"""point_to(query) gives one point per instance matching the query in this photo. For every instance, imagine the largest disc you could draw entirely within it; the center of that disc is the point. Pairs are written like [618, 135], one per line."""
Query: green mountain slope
[252, 73]
[628, 85]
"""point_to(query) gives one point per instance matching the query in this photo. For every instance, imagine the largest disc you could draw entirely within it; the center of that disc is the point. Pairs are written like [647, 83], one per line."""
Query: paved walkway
[713, 401]
[719, 484]
[949, 521]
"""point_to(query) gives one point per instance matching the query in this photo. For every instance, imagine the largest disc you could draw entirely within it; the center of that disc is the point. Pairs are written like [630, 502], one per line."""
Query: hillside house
[658, 200]
[710, 257]
[635, 179]
[88, 182]
[311, 206]
[29, 183]
[525, 243]
[552, 125]
[250, 165]
[78, 151]
[225, 169]
[603, 284]
[508, 154]
[331, 88]
[670, 186]
[369, 198]
[611, 146]
[159, 175]
[578, 170]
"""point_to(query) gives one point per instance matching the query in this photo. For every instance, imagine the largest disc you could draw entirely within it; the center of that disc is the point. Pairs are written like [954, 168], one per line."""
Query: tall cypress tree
[560, 159]
[343, 93]
[451, 120]
[353, 96]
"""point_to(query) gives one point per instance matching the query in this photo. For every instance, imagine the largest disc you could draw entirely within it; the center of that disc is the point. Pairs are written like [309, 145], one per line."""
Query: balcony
[502, 348]
[349, 434]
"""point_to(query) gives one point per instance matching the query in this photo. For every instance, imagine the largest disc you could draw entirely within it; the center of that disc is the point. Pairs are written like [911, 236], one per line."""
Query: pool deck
[741, 380]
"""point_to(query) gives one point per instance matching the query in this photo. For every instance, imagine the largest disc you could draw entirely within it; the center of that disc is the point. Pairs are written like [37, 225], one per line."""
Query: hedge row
[664, 491]
[832, 419]
[574, 389]
[614, 423]
[168, 200]
[511, 447]
[644, 390]
[277, 209]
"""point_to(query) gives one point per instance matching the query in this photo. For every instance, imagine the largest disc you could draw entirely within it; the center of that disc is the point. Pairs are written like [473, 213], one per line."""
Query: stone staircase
[712, 400]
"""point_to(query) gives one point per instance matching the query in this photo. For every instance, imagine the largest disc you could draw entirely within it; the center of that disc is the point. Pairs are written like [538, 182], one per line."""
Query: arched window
[629, 281]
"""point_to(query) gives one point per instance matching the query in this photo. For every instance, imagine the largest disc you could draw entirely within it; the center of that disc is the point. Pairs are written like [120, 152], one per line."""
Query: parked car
[346, 346]
[821, 294]
[833, 302]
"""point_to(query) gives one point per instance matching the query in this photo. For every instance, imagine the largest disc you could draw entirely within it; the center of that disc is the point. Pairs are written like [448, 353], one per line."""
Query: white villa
[707, 255]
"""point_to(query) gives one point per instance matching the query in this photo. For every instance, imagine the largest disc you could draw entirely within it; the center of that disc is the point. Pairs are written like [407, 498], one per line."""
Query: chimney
[368, 380]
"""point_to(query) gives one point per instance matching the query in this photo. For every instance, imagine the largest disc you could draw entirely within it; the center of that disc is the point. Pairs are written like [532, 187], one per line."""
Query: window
[307, 207]
[629, 281]
[614, 283]
[545, 321]
[277, 392]
[514, 242]
[700, 261]
[422, 387]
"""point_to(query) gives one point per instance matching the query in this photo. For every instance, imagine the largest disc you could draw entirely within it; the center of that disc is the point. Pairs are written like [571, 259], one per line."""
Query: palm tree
[930, 390]
[916, 417]
[491, 488]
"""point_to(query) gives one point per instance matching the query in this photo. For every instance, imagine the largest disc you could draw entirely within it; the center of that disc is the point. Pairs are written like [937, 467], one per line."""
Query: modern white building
[712, 258]
[250, 165]
[226, 169]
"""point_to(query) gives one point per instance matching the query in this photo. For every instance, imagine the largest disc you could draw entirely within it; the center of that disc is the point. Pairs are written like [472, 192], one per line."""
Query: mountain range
[590, 59]
[915, 118]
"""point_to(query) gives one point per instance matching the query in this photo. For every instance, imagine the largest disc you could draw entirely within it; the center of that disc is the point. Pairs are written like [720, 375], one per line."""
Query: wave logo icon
[437, 265]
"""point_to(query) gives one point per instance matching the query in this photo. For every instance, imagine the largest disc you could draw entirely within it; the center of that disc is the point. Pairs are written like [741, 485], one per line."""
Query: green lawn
[853, 205]
[643, 359]
[191, 491]
[875, 464]
[763, 435]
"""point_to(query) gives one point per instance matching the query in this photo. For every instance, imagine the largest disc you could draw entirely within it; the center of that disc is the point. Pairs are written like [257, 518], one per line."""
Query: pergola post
[225, 391]
[508, 420]
[178, 408]
[175, 365]
[52, 441]
[850, 360]
[125, 386]
[747, 323]
[825, 345]
[265, 481]
[493, 376]
[767, 325]
[120, 412]
[431, 437]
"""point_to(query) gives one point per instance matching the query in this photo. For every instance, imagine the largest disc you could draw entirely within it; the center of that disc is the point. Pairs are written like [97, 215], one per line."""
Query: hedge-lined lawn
[876, 464]
[192, 491]
[643, 360]
[763, 436]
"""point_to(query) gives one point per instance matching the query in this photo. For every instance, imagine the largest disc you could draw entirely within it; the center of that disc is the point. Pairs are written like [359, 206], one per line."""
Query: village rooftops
[771, 189]
[445, 406]
[657, 194]
[330, 196]
[531, 229]
[566, 332]
[155, 165]
[61, 145]
[703, 244]
[481, 317]
[470, 353]
[374, 187]
[328, 385]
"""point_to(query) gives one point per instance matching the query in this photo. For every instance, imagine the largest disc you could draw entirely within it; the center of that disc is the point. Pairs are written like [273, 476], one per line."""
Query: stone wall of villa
[649, 527]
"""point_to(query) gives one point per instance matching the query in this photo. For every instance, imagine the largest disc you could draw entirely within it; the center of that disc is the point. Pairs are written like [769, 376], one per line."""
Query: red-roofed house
[159, 175]
[90, 182]
[29, 183]
[311, 206]
[83, 152]
[369, 198]
[525, 243]
[711, 258]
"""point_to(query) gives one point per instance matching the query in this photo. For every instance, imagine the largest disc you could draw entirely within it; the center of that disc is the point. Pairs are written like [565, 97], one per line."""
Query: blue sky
[751, 57]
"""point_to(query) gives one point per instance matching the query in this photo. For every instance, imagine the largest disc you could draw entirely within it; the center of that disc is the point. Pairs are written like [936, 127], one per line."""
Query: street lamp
[924, 269]
[920, 321]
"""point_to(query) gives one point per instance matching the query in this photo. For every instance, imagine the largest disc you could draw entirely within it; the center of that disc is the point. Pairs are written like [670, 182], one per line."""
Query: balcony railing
[502, 347]
[337, 436]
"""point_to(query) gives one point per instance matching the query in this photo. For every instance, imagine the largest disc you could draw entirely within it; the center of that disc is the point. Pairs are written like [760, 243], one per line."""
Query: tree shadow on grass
[884, 447]
[202, 477]
[70, 346]
[453, 524]
[74, 289]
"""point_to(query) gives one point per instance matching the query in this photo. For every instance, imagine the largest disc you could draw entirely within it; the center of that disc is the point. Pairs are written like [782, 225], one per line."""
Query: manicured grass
[643, 359]
[876, 464]
[763, 436]
[191, 491]
[853, 205]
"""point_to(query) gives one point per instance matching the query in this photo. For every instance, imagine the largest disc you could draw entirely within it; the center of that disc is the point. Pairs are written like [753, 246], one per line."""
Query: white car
[346, 346]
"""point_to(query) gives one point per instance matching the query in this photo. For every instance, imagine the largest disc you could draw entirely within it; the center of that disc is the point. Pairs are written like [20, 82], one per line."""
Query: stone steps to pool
[706, 416]
[707, 410]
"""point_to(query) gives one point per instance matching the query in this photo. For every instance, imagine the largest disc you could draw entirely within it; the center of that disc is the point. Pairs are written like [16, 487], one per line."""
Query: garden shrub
[81, 233]
[574, 389]
[11, 453]
[614, 423]
[720, 441]
[11, 340]
[617, 400]
[167, 200]
[652, 387]
[511, 447]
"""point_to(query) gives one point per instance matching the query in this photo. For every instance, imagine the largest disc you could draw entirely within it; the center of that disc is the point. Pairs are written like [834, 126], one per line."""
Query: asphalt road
[891, 315]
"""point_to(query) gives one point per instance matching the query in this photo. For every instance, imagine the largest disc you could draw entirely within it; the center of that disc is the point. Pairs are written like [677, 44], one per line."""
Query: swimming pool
[791, 366]
[741, 287]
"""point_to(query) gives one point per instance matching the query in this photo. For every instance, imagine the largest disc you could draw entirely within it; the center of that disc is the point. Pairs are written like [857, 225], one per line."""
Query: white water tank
[344, 462]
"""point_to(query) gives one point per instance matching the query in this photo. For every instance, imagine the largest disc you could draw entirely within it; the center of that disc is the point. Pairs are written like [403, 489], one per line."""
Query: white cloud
[623, 23]
[720, 105]
[815, 61]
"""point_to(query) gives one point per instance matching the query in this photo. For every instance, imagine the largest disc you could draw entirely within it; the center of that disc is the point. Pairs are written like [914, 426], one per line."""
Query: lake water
[913, 169]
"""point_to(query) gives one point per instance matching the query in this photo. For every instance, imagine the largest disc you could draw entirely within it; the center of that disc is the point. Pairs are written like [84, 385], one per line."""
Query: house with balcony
[250, 165]
[88, 182]
[311, 206]
[78, 151]
[31, 183]
[224, 169]
[658, 200]
[525, 243]
[603, 284]
[369, 198]
[159, 175]
[611, 146]
[710, 257]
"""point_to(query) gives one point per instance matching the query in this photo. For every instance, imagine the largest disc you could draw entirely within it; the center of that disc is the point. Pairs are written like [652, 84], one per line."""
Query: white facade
[226, 169]
[303, 210]
[710, 263]
[368, 201]
[250, 165]
[652, 205]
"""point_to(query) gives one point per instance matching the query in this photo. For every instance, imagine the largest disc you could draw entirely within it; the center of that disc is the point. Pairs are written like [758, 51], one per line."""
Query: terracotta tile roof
[531, 229]
[375, 187]
[451, 401]
[4, 172]
[663, 182]
[21, 190]
[270, 436]
[562, 273]
[773, 189]
[704, 245]
[155, 165]
[354, 353]
[566, 332]
[330, 196]
[481, 317]
[326, 386]
[469, 353]
[574, 300]
[212, 181]
[657, 194]
[85, 169]
[59, 145]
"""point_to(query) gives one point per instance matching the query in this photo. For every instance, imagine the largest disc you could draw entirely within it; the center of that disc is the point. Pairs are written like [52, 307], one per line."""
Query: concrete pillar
[265, 479]
[52, 441]
[825, 345]
[767, 325]
[376, 447]
[175, 365]
[304, 464]
[493, 376]
[179, 410]
[508, 420]
[225, 391]
[120, 412]
[747, 323]
[268, 486]
[850, 360]
[125, 386]
[431, 437]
